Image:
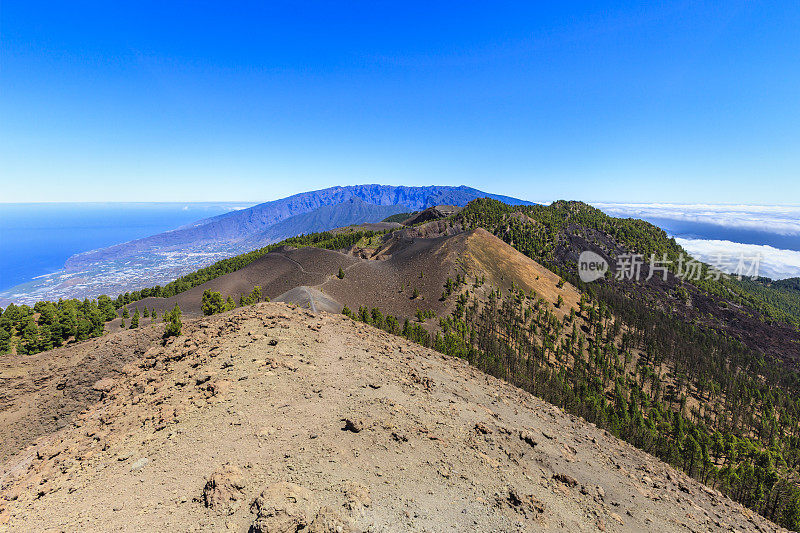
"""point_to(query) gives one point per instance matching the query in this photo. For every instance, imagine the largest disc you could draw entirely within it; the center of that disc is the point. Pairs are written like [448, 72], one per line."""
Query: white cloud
[774, 262]
[779, 219]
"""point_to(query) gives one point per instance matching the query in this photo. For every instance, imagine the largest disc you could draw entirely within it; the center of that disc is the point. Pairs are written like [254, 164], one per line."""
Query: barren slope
[40, 393]
[418, 259]
[276, 273]
[273, 416]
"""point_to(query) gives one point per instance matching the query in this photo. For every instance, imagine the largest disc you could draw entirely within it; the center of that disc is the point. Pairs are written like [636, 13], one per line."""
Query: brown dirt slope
[276, 273]
[425, 264]
[40, 393]
[273, 418]
[418, 259]
[310, 298]
[503, 264]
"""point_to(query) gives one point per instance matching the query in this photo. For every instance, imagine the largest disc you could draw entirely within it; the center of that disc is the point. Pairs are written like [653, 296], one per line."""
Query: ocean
[36, 238]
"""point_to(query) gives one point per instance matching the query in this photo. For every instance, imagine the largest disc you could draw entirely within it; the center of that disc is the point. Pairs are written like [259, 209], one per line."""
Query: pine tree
[212, 303]
[30, 336]
[174, 324]
[340, 275]
[5, 341]
[135, 319]
[791, 513]
[253, 298]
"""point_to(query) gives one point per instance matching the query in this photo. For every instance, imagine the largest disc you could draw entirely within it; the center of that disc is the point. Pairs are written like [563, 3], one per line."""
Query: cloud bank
[778, 219]
[775, 263]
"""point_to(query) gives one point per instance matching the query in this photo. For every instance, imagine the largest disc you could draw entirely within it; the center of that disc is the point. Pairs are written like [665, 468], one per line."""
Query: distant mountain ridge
[352, 211]
[236, 230]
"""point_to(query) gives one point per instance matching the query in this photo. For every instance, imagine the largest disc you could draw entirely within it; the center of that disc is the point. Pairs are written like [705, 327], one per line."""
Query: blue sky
[616, 101]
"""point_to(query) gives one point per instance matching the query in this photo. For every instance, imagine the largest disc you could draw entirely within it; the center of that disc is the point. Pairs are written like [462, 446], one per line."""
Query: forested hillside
[698, 397]
[556, 234]
[48, 325]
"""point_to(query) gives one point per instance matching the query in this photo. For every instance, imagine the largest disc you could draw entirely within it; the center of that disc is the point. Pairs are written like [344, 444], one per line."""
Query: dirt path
[311, 303]
[299, 265]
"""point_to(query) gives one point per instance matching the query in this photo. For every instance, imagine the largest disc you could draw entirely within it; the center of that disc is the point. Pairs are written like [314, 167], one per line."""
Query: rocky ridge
[273, 418]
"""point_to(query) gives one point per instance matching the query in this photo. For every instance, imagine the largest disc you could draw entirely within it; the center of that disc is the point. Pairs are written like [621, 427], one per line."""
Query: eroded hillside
[273, 418]
[400, 273]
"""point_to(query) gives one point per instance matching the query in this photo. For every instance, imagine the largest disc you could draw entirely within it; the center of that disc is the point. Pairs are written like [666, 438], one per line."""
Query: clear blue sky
[627, 101]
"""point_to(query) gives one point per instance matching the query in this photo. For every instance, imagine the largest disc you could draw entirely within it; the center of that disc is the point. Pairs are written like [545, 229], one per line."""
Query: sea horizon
[36, 238]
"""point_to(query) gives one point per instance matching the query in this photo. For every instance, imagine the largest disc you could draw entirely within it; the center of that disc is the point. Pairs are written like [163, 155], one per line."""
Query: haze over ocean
[36, 239]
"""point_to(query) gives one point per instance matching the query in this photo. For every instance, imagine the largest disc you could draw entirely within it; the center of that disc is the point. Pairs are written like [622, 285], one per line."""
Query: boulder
[566, 479]
[103, 385]
[356, 496]
[224, 490]
[354, 425]
[283, 507]
[329, 520]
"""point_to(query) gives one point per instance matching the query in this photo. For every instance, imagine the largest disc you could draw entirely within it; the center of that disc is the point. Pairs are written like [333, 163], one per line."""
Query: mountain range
[307, 212]
[160, 258]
